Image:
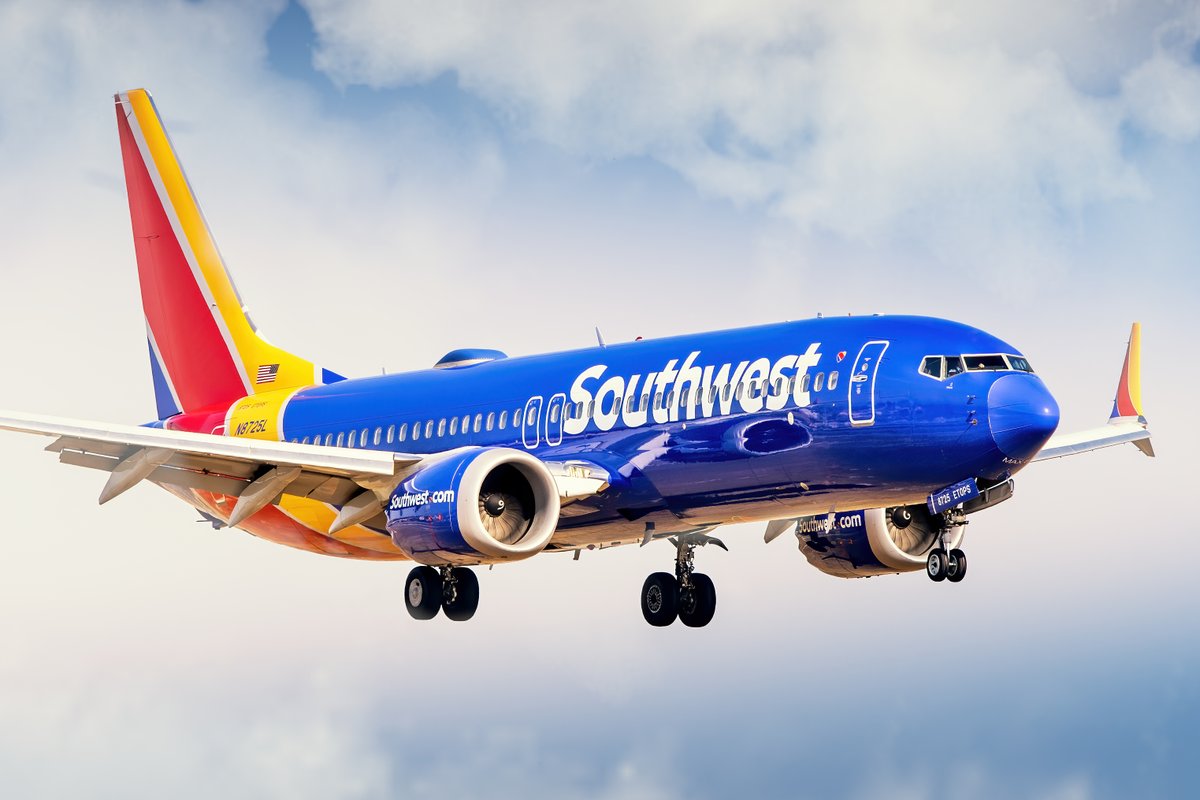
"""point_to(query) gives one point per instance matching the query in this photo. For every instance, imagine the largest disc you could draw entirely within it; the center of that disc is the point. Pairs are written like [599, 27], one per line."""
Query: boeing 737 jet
[871, 438]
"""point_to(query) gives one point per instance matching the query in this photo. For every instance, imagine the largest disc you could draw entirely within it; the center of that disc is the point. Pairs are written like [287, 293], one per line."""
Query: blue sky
[390, 181]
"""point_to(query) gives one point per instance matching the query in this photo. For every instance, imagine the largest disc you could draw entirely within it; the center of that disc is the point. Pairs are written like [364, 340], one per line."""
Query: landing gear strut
[942, 565]
[454, 590]
[688, 596]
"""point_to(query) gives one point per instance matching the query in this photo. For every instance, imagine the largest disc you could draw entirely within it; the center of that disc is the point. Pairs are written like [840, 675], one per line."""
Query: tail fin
[204, 350]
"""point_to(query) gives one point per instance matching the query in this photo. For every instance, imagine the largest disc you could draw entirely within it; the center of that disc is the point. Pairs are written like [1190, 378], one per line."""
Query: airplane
[872, 438]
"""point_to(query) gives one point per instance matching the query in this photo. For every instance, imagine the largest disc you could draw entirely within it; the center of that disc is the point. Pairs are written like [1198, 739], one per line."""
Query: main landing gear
[947, 565]
[688, 596]
[452, 590]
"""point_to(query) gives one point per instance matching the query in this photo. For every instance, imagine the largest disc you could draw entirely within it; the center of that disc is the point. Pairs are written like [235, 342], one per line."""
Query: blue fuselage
[759, 423]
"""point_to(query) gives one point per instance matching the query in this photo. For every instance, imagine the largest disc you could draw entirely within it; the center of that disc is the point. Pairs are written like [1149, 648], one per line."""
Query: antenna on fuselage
[600, 337]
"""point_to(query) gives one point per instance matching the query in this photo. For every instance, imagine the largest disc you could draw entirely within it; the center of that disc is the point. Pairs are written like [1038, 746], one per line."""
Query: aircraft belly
[273, 525]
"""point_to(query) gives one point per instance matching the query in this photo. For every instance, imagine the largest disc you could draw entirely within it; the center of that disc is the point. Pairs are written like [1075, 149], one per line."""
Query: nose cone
[1021, 415]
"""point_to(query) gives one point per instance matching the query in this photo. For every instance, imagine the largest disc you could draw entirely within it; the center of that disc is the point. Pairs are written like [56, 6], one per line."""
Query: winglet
[1128, 402]
[1126, 424]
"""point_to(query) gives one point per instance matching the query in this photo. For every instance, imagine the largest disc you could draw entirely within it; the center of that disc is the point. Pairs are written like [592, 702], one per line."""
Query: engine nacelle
[858, 544]
[475, 506]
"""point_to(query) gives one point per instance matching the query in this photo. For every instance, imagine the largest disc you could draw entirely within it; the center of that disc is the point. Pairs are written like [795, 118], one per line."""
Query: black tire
[466, 595]
[935, 565]
[423, 593]
[958, 566]
[698, 608]
[660, 599]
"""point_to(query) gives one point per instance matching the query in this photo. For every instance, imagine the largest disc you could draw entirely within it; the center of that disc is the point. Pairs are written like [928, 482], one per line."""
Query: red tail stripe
[194, 353]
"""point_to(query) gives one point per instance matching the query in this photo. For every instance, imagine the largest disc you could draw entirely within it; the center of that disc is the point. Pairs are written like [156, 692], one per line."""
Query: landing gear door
[862, 383]
[531, 426]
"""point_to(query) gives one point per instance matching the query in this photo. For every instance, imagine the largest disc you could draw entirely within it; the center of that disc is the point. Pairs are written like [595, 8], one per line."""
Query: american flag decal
[267, 374]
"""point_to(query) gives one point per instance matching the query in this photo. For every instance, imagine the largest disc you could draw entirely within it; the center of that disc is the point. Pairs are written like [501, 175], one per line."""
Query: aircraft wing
[253, 470]
[1119, 431]
[1126, 423]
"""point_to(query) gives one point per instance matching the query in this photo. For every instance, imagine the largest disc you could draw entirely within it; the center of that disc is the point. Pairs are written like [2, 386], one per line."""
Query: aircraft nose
[1022, 415]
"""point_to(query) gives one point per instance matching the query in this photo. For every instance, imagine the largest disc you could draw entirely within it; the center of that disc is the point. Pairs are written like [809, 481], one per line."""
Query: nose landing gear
[942, 565]
[688, 596]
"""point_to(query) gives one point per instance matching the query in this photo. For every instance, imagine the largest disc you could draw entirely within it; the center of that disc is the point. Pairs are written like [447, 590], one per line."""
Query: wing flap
[225, 465]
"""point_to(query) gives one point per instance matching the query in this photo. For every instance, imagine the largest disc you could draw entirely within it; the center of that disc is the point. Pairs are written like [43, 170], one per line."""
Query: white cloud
[138, 645]
[979, 135]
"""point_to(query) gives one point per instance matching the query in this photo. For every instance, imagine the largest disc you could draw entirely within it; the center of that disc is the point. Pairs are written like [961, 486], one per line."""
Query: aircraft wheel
[460, 605]
[957, 566]
[423, 593]
[936, 565]
[660, 599]
[698, 603]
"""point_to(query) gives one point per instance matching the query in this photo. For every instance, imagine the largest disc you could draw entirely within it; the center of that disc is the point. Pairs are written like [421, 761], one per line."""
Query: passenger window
[819, 382]
[725, 391]
[671, 399]
[518, 416]
[791, 385]
[403, 433]
[491, 418]
[329, 440]
[953, 366]
[645, 402]
[441, 427]
[629, 403]
[503, 419]
[378, 437]
[429, 429]
[304, 440]
[683, 397]
[454, 426]
[712, 394]
[737, 391]
[804, 382]
[833, 379]
[341, 439]
[391, 434]
[353, 439]
[478, 423]
[658, 398]
[416, 431]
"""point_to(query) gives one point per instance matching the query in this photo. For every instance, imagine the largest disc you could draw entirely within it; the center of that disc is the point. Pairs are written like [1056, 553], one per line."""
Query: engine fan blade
[503, 517]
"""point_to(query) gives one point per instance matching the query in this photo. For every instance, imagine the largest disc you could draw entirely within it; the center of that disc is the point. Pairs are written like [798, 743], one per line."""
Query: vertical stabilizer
[204, 350]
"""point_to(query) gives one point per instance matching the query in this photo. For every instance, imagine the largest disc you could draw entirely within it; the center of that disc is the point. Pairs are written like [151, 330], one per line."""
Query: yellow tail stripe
[1134, 375]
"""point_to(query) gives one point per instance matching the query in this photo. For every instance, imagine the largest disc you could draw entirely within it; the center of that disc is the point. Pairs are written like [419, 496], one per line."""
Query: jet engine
[877, 541]
[475, 506]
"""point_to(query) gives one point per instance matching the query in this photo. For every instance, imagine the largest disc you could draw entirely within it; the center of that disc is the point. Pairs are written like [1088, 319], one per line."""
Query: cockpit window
[943, 367]
[985, 362]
